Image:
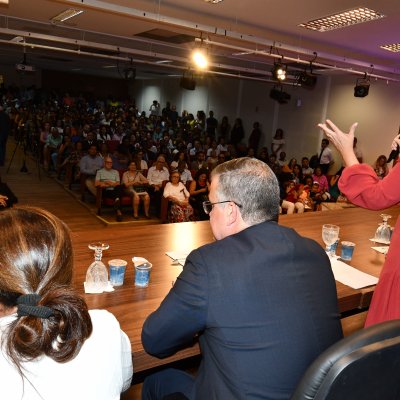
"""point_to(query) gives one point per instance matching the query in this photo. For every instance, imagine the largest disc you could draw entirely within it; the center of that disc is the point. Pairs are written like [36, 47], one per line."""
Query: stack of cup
[142, 271]
[117, 271]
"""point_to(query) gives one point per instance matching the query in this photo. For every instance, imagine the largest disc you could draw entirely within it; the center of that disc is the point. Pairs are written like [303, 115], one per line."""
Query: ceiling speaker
[361, 89]
[279, 95]
[307, 80]
[130, 74]
[187, 83]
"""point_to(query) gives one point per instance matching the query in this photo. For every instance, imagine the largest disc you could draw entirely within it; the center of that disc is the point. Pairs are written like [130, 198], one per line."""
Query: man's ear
[231, 213]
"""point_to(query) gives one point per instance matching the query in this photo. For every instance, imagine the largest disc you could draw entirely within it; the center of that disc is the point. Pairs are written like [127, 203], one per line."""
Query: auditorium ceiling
[244, 39]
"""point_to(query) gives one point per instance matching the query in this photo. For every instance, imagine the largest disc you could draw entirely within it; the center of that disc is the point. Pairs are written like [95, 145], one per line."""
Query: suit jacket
[264, 304]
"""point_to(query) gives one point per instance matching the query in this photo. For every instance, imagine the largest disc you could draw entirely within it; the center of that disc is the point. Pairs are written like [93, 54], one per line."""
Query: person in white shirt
[156, 175]
[325, 156]
[51, 346]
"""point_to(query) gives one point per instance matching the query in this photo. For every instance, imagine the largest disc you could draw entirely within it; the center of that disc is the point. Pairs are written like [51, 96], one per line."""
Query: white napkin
[381, 249]
[88, 289]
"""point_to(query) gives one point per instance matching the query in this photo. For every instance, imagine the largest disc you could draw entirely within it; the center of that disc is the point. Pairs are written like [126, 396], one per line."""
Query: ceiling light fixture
[308, 79]
[214, 1]
[394, 48]
[200, 59]
[66, 14]
[343, 19]
[279, 72]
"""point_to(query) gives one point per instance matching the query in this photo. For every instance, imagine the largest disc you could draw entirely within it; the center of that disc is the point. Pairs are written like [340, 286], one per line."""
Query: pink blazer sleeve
[362, 187]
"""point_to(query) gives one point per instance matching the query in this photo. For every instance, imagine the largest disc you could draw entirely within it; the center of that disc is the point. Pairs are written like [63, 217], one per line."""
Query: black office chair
[362, 366]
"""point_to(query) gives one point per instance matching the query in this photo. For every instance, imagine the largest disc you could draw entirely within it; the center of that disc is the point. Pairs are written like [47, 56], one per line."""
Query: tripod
[23, 141]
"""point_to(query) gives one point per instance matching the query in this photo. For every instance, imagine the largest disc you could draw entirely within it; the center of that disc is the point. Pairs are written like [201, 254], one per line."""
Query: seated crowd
[74, 135]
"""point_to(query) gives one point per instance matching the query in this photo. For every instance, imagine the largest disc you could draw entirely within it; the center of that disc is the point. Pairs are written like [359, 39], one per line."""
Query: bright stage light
[200, 59]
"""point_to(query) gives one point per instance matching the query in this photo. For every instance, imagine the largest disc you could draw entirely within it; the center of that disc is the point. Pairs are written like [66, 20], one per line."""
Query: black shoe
[119, 217]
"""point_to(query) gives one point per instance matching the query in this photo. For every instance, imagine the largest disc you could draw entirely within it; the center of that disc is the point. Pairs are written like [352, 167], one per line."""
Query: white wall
[377, 114]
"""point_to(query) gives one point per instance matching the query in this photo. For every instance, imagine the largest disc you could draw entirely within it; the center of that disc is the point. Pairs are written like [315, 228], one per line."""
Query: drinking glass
[330, 233]
[384, 231]
[97, 275]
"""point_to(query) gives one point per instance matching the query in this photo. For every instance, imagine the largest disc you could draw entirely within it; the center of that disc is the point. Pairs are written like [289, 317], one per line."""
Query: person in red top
[363, 188]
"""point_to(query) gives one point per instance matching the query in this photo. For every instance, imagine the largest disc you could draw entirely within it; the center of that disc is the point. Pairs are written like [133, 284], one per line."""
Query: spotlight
[199, 59]
[279, 72]
[279, 95]
[362, 86]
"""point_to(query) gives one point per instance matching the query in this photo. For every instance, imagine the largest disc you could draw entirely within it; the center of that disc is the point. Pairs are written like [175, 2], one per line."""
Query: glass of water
[330, 233]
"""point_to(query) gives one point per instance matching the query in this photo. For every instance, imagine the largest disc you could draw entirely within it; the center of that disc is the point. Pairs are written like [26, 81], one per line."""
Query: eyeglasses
[208, 206]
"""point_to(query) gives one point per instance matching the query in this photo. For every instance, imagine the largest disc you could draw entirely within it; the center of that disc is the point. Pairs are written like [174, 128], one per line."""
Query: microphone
[393, 154]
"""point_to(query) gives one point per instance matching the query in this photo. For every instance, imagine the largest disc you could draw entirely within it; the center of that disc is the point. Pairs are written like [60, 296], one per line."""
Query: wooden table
[131, 305]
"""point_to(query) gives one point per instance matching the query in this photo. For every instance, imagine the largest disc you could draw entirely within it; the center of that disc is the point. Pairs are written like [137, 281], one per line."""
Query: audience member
[224, 129]
[50, 341]
[108, 180]
[137, 185]
[278, 143]
[212, 125]
[282, 159]
[200, 162]
[199, 193]
[185, 174]
[89, 165]
[288, 168]
[53, 143]
[232, 294]
[334, 190]
[237, 132]
[156, 175]
[325, 159]
[305, 167]
[322, 182]
[255, 136]
[176, 192]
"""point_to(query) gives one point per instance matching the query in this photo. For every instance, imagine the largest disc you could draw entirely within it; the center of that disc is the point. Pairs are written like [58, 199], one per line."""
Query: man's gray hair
[252, 184]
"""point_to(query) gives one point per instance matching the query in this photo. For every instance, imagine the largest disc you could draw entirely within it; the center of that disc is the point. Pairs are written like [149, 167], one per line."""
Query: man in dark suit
[261, 298]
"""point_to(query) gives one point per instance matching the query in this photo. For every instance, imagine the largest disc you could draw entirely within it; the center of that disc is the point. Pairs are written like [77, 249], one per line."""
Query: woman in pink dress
[363, 188]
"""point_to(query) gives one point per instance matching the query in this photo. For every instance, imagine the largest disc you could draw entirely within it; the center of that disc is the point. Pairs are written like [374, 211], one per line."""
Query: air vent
[166, 36]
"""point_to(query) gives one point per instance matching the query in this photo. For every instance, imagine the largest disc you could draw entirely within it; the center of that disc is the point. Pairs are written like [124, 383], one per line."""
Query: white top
[156, 177]
[179, 192]
[101, 370]
[275, 144]
[326, 156]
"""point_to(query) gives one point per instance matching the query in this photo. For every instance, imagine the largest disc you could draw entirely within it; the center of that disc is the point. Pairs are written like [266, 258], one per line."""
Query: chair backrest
[365, 365]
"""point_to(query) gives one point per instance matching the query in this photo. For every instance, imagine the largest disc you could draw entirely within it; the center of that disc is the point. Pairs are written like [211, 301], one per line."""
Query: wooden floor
[37, 188]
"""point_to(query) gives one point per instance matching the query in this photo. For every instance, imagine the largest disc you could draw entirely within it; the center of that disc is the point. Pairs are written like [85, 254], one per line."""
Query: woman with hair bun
[51, 346]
